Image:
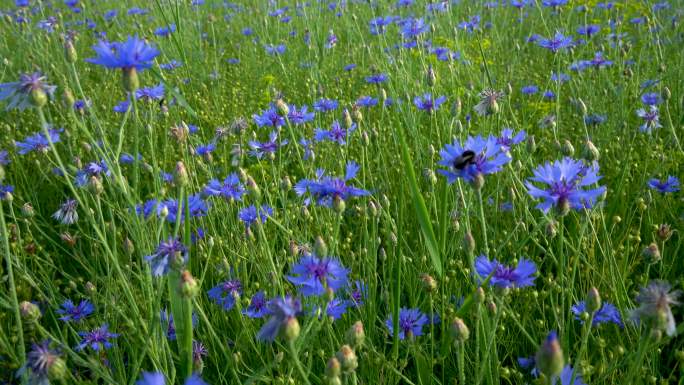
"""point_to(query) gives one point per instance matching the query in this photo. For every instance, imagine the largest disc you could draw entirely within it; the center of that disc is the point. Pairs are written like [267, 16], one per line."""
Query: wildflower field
[341, 192]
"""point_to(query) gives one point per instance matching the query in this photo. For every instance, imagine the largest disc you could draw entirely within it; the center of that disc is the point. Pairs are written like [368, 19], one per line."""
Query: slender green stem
[298, 363]
[461, 362]
[482, 220]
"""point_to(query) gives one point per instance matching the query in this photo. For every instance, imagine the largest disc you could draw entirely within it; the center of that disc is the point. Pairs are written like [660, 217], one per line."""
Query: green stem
[297, 363]
[482, 221]
[461, 363]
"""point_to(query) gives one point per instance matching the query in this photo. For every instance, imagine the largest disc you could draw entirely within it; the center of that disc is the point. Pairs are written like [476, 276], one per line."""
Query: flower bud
[431, 77]
[130, 79]
[531, 144]
[456, 108]
[567, 148]
[27, 210]
[286, 183]
[338, 204]
[593, 300]
[291, 329]
[347, 119]
[469, 242]
[70, 51]
[549, 357]
[479, 295]
[282, 107]
[181, 174]
[347, 358]
[95, 185]
[57, 369]
[320, 247]
[664, 232]
[590, 152]
[128, 246]
[188, 285]
[429, 282]
[563, 207]
[333, 368]
[253, 187]
[551, 229]
[38, 97]
[356, 334]
[478, 181]
[30, 312]
[68, 98]
[666, 94]
[356, 114]
[582, 107]
[459, 330]
[651, 253]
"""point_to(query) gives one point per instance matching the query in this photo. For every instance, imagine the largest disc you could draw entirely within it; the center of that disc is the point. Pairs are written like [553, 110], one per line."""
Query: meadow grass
[405, 232]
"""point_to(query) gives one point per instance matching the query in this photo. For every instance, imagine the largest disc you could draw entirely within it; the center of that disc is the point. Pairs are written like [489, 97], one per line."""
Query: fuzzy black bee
[463, 160]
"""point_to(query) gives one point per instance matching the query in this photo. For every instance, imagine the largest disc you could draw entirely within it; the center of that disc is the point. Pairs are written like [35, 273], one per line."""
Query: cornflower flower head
[132, 53]
[169, 254]
[4, 158]
[427, 103]
[326, 190]
[167, 323]
[71, 312]
[566, 377]
[97, 339]
[411, 322]
[171, 208]
[529, 89]
[67, 214]
[300, 116]
[651, 98]
[30, 90]
[92, 169]
[412, 28]
[336, 133]
[251, 214]
[669, 185]
[122, 107]
[4, 190]
[226, 293]
[504, 276]
[40, 361]
[377, 78]
[506, 140]
[588, 30]
[269, 117]
[151, 378]
[231, 189]
[651, 119]
[489, 102]
[165, 31]
[565, 181]
[473, 160]
[313, 275]
[557, 43]
[367, 101]
[358, 293]
[335, 308]
[205, 151]
[275, 50]
[655, 301]
[259, 149]
[150, 94]
[325, 105]
[38, 142]
[606, 314]
[257, 306]
[281, 310]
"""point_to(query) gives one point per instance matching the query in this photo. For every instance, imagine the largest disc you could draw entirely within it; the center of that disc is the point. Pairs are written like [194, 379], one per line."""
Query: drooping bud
[459, 330]
[347, 358]
[356, 334]
[188, 285]
[549, 357]
[593, 300]
[130, 79]
[651, 253]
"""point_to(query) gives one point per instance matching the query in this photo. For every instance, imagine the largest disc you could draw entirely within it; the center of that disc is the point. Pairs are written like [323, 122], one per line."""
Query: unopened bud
[95, 185]
[567, 148]
[431, 77]
[333, 368]
[348, 122]
[666, 94]
[188, 285]
[459, 330]
[339, 204]
[286, 183]
[582, 107]
[130, 79]
[428, 282]
[70, 52]
[253, 187]
[478, 181]
[469, 242]
[590, 152]
[551, 229]
[282, 107]
[531, 144]
[664, 232]
[549, 357]
[57, 368]
[291, 329]
[181, 176]
[38, 97]
[29, 311]
[27, 210]
[68, 98]
[356, 334]
[593, 300]
[347, 358]
[651, 253]
[320, 247]
[480, 295]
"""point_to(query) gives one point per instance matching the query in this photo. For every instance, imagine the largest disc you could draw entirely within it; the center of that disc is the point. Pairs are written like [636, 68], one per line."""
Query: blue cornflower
[607, 313]
[651, 98]
[349, 67]
[151, 378]
[281, 310]
[488, 158]
[377, 25]
[4, 190]
[122, 107]
[198, 208]
[257, 306]
[588, 30]
[505, 276]
[110, 15]
[71, 312]
[651, 119]
[137, 11]
[225, 294]
[250, 215]
[549, 95]
[230, 189]
[21, 3]
[170, 66]
[308, 150]
[507, 140]
[377, 78]
[4, 160]
[133, 53]
[471, 24]
[325, 189]
[554, 3]
[594, 119]
[599, 61]
[670, 185]
[560, 77]
[275, 50]
[168, 254]
[336, 133]
[300, 116]
[412, 28]
[557, 43]
[411, 322]
[149, 94]
[39, 361]
[165, 31]
[22, 94]
[92, 169]
[313, 275]
[167, 323]
[367, 101]
[336, 308]
[259, 149]
[565, 180]
[427, 103]
[529, 90]
[205, 150]
[325, 105]
[97, 339]
[67, 214]
[126, 158]
[566, 377]
[269, 117]
[358, 293]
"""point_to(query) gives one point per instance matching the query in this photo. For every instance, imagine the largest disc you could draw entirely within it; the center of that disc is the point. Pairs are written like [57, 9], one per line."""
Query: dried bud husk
[664, 232]
[651, 253]
[29, 312]
[188, 285]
